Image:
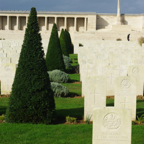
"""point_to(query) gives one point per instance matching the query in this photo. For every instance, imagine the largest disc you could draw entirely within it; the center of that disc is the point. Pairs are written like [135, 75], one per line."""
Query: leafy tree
[54, 59]
[31, 99]
[64, 43]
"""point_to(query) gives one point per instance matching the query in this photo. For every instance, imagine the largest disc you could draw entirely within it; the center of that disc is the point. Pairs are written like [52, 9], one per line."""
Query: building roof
[46, 12]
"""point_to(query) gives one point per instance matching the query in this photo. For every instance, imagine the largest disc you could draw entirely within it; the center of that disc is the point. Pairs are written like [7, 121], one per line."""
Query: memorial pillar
[17, 23]
[0, 22]
[85, 25]
[65, 23]
[26, 21]
[143, 22]
[46, 23]
[118, 14]
[7, 22]
[75, 24]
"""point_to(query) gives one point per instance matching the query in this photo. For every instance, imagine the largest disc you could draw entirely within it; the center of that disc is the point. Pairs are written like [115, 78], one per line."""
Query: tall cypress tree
[54, 58]
[31, 99]
[63, 43]
[70, 45]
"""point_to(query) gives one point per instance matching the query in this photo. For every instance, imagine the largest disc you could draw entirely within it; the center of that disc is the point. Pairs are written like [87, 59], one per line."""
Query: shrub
[118, 39]
[70, 119]
[76, 69]
[2, 117]
[141, 40]
[63, 43]
[31, 99]
[54, 59]
[59, 90]
[58, 76]
[67, 61]
[80, 45]
[70, 45]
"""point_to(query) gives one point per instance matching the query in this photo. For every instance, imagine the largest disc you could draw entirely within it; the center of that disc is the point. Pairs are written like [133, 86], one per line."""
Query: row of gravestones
[9, 56]
[111, 125]
[112, 64]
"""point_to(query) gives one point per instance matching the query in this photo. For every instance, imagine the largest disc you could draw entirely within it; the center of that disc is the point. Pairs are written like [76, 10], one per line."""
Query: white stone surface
[121, 28]
[125, 94]
[95, 96]
[7, 77]
[138, 73]
[111, 126]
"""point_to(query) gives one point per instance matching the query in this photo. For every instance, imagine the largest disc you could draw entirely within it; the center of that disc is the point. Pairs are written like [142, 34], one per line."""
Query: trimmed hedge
[31, 99]
[59, 90]
[54, 59]
[70, 45]
[63, 43]
[58, 76]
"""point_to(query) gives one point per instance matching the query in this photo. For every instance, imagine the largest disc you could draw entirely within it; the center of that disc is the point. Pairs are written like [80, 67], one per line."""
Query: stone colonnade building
[79, 24]
[17, 20]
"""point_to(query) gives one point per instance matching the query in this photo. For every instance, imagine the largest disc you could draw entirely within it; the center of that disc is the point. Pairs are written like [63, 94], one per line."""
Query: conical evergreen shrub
[54, 58]
[70, 45]
[63, 43]
[31, 99]
[67, 40]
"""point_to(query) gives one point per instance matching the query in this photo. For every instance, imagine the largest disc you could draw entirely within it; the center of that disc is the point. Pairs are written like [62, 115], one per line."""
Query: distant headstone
[137, 72]
[95, 96]
[111, 126]
[125, 94]
[7, 77]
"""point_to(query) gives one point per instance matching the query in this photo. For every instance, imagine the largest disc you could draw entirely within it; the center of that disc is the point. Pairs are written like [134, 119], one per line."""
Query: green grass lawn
[74, 59]
[73, 56]
[61, 133]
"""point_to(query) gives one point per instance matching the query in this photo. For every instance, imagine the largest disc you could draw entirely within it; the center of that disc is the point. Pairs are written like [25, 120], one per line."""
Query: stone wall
[105, 21]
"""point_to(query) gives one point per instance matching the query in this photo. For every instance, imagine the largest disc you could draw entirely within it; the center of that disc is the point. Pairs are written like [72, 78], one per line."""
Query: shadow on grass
[2, 110]
[73, 80]
[110, 104]
[73, 94]
[139, 101]
[139, 111]
[75, 112]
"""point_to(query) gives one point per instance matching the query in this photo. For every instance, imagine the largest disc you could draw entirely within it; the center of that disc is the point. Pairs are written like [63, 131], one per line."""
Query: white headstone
[138, 73]
[125, 94]
[7, 77]
[95, 96]
[111, 126]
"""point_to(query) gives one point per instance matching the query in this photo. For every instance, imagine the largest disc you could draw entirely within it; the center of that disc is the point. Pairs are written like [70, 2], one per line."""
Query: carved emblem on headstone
[135, 70]
[112, 121]
[126, 83]
[8, 68]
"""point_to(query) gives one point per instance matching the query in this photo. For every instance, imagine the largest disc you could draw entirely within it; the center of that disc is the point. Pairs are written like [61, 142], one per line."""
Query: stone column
[0, 22]
[17, 23]
[7, 22]
[45, 23]
[26, 21]
[85, 25]
[118, 14]
[75, 24]
[143, 22]
[65, 23]
[56, 20]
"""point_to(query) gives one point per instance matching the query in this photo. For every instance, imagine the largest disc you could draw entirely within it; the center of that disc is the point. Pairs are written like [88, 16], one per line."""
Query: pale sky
[98, 6]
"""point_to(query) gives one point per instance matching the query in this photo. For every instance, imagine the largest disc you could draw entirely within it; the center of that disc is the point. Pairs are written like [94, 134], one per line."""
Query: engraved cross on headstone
[125, 103]
[95, 95]
[111, 78]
